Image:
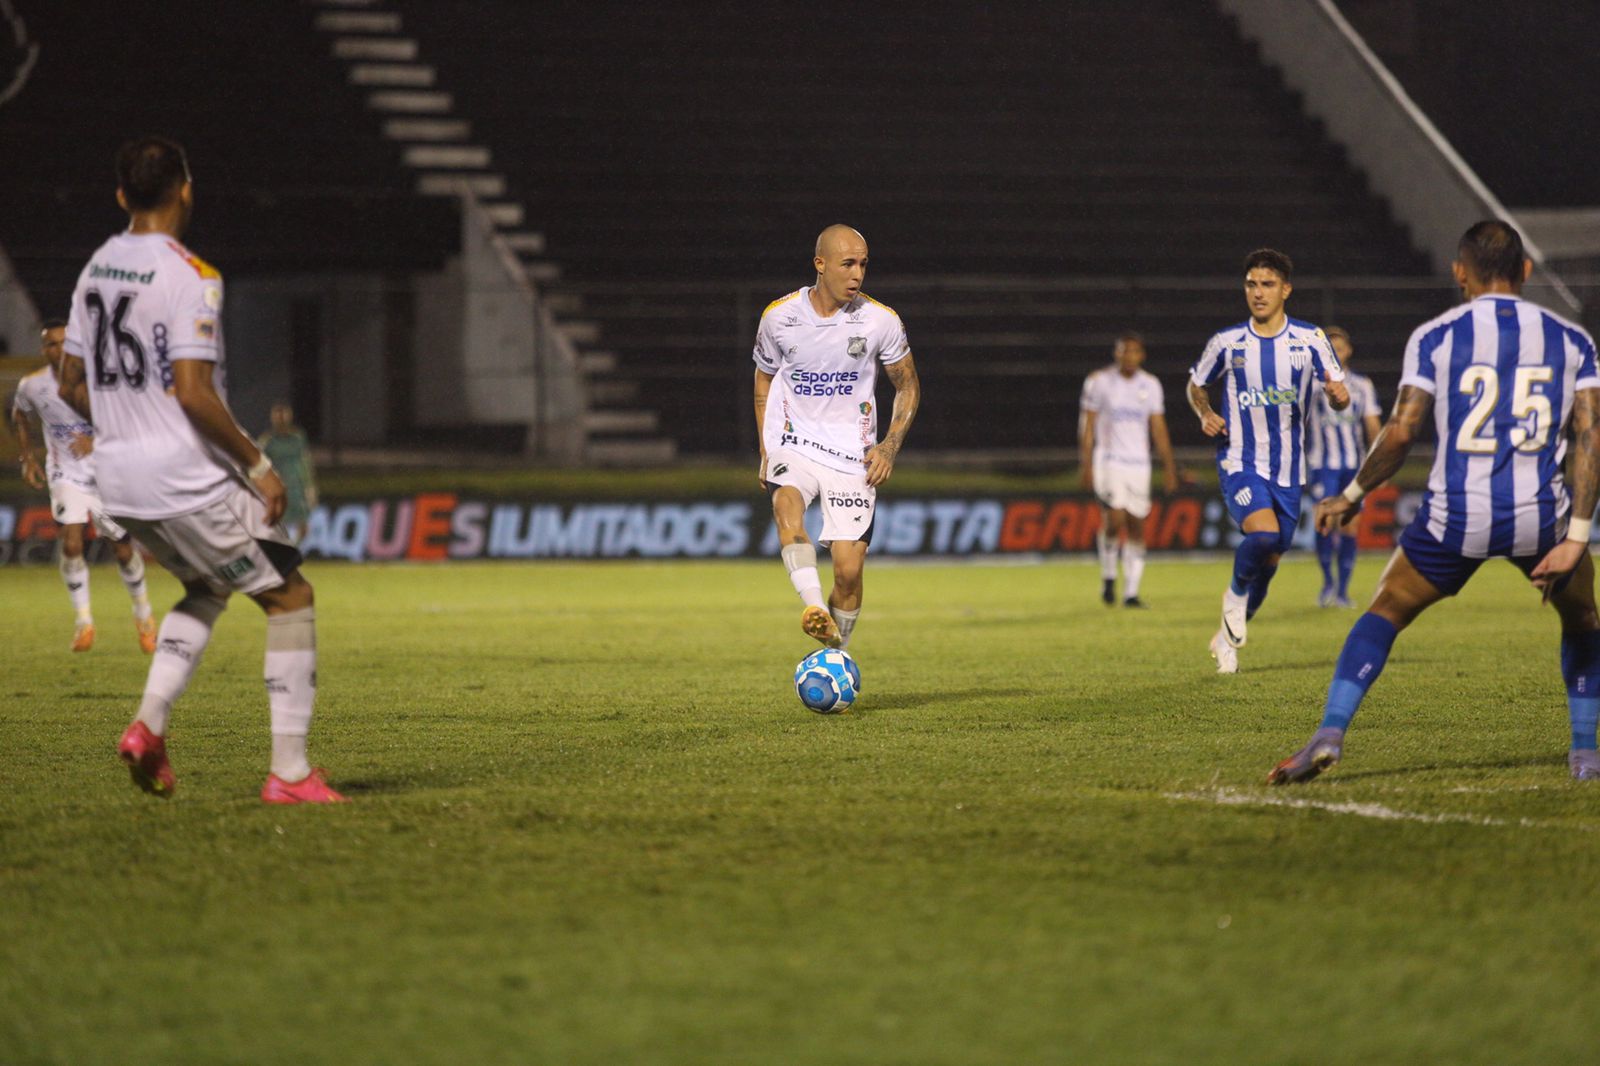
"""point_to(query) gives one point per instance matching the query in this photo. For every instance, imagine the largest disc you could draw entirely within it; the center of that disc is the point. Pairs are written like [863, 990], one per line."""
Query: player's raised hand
[270, 485]
[880, 462]
[1213, 425]
[1560, 561]
[1335, 512]
[1338, 395]
[32, 473]
[81, 445]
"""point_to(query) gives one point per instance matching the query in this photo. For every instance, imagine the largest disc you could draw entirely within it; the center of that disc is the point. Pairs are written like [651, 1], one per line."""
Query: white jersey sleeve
[195, 314]
[768, 354]
[893, 344]
[1091, 399]
[1417, 367]
[1158, 401]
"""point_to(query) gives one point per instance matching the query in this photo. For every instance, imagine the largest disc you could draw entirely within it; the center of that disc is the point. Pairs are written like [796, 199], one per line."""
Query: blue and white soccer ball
[828, 681]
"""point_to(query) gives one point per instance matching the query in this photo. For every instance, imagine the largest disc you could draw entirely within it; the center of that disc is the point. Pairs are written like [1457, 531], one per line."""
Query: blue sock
[1366, 649]
[1580, 669]
[1258, 590]
[1325, 558]
[1249, 558]
[1347, 561]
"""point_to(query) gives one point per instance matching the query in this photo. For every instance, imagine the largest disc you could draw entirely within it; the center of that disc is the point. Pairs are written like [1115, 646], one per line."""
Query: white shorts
[72, 505]
[1123, 487]
[228, 545]
[848, 502]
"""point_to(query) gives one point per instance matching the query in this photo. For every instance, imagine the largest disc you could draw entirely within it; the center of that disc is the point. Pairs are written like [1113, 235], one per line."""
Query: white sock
[846, 621]
[801, 562]
[1132, 568]
[75, 575]
[133, 579]
[1107, 548]
[181, 642]
[291, 674]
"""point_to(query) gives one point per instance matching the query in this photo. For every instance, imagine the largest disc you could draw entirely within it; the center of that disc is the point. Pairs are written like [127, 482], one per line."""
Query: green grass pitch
[593, 824]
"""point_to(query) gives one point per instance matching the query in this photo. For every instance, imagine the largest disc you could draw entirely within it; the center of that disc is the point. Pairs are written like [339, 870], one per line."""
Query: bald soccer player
[817, 354]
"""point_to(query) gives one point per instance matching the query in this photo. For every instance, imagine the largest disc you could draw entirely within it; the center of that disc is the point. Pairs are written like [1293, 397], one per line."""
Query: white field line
[1228, 797]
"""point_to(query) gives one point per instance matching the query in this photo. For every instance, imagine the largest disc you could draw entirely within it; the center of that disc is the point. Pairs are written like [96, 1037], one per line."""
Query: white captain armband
[1353, 491]
[261, 469]
[1578, 530]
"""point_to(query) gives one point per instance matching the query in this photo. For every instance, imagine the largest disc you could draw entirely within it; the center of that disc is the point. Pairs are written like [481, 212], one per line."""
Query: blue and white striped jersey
[1267, 382]
[1337, 440]
[1503, 373]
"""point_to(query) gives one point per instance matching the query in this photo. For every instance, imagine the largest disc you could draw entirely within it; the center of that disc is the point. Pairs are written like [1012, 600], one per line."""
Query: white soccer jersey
[1123, 407]
[824, 370]
[1337, 440]
[143, 301]
[39, 394]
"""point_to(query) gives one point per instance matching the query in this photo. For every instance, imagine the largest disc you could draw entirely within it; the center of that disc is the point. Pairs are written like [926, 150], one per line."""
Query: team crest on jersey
[1237, 355]
[1298, 356]
[857, 347]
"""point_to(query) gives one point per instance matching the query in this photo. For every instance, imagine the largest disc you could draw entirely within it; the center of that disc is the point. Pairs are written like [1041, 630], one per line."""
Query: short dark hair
[1272, 260]
[52, 323]
[1492, 250]
[150, 170]
[1128, 336]
[1339, 331]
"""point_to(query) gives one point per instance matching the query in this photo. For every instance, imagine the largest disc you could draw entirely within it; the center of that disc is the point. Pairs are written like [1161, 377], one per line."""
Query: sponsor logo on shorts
[1242, 497]
[848, 501]
[780, 470]
[856, 348]
[236, 569]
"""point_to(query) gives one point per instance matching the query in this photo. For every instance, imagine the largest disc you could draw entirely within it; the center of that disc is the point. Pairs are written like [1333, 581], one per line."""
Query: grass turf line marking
[1228, 797]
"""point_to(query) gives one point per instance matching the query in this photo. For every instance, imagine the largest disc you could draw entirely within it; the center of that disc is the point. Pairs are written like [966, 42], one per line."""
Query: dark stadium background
[1033, 178]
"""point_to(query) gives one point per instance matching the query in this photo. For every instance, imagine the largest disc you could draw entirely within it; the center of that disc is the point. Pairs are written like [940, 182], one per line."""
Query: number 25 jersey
[143, 302]
[1502, 373]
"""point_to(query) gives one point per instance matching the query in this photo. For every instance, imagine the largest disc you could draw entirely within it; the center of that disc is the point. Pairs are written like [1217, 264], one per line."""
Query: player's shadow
[905, 701]
[1323, 663]
[1512, 763]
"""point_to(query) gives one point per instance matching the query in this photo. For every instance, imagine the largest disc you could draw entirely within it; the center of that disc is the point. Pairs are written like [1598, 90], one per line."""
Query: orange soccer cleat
[146, 756]
[313, 788]
[147, 634]
[83, 636]
[819, 625]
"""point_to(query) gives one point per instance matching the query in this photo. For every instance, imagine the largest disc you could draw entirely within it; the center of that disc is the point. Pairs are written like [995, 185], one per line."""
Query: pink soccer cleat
[146, 756]
[313, 788]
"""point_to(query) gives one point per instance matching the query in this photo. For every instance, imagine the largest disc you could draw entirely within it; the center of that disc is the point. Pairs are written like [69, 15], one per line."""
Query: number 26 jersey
[143, 302]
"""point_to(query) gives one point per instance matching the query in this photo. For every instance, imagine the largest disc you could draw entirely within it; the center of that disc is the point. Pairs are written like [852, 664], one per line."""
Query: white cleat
[1233, 617]
[1227, 658]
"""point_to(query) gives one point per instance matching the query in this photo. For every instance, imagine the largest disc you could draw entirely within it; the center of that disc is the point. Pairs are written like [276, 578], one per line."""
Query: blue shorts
[1247, 492]
[1326, 484]
[1449, 571]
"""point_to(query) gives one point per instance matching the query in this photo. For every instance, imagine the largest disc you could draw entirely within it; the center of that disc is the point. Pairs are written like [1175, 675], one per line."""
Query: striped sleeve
[1208, 368]
[1417, 368]
[1325, 361]
[1588, 374]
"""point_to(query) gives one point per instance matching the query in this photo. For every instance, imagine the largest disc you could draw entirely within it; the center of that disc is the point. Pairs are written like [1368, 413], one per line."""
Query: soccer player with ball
[817, 355]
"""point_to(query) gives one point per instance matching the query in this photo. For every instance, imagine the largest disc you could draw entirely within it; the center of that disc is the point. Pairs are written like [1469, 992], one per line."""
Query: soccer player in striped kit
[1336, 442]
[1266, 366]
[1504, 380]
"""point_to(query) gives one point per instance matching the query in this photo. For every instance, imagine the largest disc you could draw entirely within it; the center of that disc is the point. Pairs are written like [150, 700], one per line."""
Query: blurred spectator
[285, 444]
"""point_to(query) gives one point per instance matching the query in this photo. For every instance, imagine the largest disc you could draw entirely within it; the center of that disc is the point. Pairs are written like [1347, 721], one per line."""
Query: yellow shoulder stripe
[780, 301]
[885, 306]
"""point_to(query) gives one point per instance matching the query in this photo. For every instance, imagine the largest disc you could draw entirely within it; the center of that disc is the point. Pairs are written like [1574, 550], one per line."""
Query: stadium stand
[1031, 179]
[291, 176]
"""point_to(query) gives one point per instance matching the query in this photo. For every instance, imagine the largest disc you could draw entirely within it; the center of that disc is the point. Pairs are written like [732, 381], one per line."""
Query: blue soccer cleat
[1321, 754]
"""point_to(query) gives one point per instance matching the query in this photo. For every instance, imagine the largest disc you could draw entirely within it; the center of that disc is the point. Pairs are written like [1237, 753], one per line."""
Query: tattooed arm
[1384, 459]
[907, 398]
[1585, 486]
